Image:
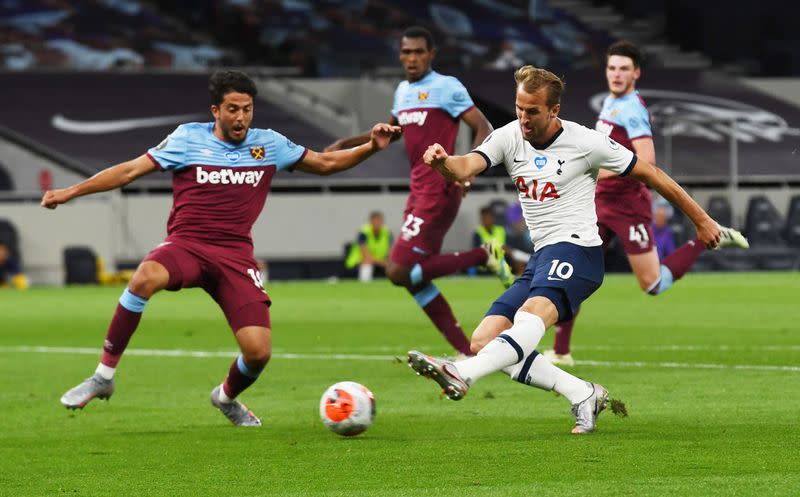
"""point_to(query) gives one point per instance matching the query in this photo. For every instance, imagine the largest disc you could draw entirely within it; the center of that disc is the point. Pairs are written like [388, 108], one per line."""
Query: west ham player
[554, 164]
[428, 106]
[222, 172]
[624, 207]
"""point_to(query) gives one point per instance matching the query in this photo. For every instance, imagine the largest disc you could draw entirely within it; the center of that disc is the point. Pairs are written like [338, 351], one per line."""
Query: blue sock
[663, 283]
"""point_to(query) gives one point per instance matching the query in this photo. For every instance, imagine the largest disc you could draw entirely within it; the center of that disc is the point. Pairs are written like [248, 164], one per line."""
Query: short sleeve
[170, 154]
[455, 98]
[605, 153]
[395, 101]
[637, 122]
[287, 153]
[493, 148]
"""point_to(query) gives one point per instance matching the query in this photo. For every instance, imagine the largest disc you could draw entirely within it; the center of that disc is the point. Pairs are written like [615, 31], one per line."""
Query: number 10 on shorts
[559, 270]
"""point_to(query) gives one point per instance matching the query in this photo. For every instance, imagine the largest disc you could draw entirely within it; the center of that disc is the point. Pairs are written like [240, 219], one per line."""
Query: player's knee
[148, 279]
[477, 344]
[647, 282]
[257, 357]
[397, 274]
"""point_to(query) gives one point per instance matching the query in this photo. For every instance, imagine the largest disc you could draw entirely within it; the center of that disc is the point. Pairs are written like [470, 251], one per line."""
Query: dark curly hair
[223, 82]
[626, 49]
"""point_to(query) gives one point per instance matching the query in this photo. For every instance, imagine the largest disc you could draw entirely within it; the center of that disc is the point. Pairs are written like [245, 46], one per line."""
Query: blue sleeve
[170, 154]
[395, 109]
[287, 153]
[362, 239]
[455, 98]
[636, 121]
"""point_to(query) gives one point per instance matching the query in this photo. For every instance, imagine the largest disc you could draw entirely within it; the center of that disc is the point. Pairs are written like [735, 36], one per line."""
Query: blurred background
[88, 84]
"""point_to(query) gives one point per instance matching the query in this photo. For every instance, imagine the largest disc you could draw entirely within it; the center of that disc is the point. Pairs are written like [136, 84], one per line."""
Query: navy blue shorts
[564, 273]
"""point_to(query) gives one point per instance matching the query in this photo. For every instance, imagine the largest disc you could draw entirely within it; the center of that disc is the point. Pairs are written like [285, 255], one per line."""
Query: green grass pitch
[710, 373]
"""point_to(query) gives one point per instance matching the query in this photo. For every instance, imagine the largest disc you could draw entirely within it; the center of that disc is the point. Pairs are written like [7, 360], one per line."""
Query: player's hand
[53, 198]
[435, 155]
[466, 185]
[382, 134]
[708, 233]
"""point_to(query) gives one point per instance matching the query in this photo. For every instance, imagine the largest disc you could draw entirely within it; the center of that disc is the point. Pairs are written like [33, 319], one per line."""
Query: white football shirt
[556, 182]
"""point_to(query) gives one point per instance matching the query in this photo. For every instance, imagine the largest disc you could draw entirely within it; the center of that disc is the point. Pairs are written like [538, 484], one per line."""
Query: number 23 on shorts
[411, 226]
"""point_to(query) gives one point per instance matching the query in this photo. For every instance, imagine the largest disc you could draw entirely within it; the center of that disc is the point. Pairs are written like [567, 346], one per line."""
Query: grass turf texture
[717, 429]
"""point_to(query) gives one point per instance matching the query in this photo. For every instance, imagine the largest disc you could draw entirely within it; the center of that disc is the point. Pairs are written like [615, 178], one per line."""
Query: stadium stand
[792, 231]
[80, 264]
[719, 208]
[136, 54]
[8, 235]
[764, 225]
[6, 183]
[96, 35]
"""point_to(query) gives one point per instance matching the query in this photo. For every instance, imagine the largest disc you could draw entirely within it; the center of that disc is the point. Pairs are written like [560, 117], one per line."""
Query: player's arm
[480, 126]
[325, 163]
[108, 179]
[357, 140]
[707, 229]
[643, 148]
[454, 167]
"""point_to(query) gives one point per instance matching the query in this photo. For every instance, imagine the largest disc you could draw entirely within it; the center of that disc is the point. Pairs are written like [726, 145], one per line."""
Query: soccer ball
[347, 408]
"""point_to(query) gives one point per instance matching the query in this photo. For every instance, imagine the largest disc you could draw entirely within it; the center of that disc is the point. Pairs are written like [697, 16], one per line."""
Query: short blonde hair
[533, 79]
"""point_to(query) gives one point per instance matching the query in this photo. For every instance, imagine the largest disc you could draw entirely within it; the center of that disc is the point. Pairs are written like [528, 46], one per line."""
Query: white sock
[507, 349]
[223, 397]
[106, 372]
[540, 373]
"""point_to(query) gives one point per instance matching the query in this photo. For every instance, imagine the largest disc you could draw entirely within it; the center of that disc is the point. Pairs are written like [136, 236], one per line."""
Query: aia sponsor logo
[530, 189]
[417, 117]
[228, 177]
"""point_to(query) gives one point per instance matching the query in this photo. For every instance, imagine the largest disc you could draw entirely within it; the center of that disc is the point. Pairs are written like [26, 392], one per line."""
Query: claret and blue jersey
[624, 119]
[219, 188]
[429, 111]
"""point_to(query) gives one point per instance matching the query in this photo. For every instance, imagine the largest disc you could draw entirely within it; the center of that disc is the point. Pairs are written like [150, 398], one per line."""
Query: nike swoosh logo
[517, 161]
[554, 279]
[68, 125]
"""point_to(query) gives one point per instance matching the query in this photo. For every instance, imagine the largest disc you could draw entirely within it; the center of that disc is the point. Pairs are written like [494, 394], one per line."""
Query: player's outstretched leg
[441, 371]
[496, 262]
[149, 278]
[678, 263]
[586, 411]
[234, 410]
[438, 310]
[587, 399]
[88, 389]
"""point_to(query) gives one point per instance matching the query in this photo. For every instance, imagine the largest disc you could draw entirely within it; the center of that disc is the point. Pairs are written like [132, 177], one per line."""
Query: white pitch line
[692, 348]
[364, 357]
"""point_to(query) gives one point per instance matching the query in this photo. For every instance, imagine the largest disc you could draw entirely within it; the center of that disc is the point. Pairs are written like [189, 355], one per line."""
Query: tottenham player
[428, 106]
[554, 164]
[221, 175]
[623, 204]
